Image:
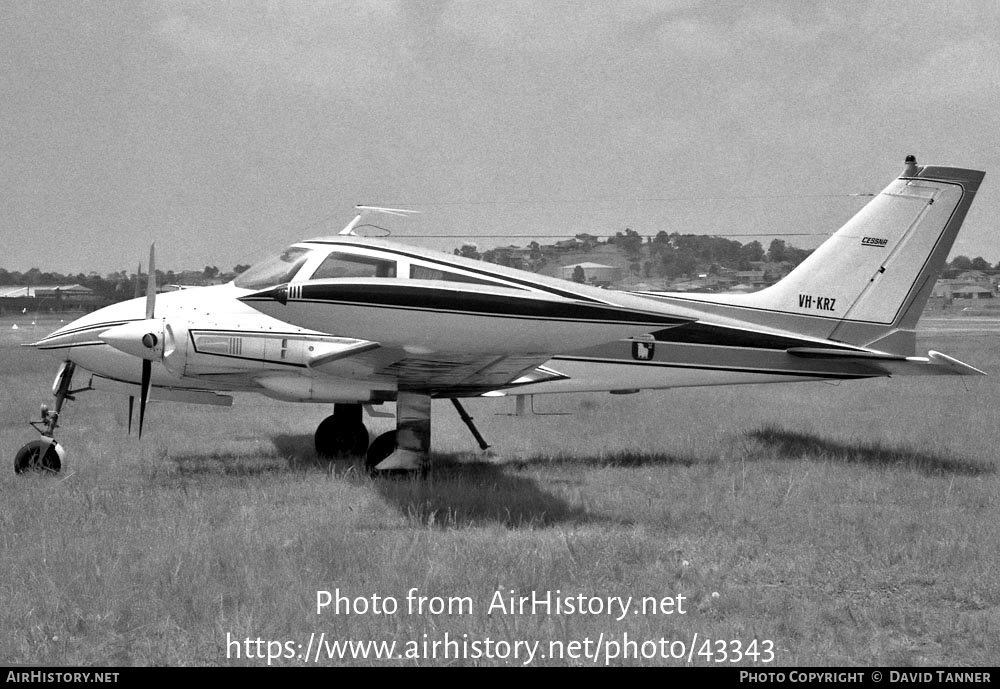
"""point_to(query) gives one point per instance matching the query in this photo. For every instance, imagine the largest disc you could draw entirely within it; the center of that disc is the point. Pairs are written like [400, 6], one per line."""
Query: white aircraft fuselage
[351, 320]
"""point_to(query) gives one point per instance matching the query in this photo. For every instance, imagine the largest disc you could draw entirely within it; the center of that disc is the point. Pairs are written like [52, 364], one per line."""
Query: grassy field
[848, 525]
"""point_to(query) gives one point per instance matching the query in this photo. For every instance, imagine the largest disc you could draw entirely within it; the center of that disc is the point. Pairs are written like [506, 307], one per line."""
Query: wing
[443, 374]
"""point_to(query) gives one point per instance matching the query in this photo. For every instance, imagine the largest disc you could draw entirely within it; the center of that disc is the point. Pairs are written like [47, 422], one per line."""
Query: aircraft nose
[86, 330]
[73, 334]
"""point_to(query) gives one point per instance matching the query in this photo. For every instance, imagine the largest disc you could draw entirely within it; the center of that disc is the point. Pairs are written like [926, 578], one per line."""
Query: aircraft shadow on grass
[474, 492]
[461, 492]
[792, 444]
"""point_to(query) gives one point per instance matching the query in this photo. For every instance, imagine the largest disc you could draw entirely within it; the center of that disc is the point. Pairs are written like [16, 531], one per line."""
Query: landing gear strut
[407, 449]
[343, 434]
[46, 454]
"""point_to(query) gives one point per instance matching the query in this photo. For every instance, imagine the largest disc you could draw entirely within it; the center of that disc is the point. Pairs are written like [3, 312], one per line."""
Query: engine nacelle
[311, 389]
[153, 339]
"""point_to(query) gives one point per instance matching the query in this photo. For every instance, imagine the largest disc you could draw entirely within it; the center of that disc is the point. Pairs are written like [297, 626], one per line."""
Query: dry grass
[851, 524]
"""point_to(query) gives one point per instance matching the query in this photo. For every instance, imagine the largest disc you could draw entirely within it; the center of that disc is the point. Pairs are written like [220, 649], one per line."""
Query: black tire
[38, 456]
[381, 447]
[336, 440]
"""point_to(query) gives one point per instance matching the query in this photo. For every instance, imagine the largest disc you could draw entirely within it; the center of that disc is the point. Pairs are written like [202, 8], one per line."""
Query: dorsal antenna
[365, 210]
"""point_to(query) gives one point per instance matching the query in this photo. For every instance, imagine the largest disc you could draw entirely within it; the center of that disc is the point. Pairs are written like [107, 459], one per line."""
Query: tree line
[116, 285]
[676, 255]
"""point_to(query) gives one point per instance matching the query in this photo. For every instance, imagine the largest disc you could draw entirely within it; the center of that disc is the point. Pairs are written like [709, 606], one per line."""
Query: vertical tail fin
[873, 277]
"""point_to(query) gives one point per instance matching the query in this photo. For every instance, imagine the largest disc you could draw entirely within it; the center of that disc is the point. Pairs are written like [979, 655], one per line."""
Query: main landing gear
[342, 434]
[46, 454]
[405, 450]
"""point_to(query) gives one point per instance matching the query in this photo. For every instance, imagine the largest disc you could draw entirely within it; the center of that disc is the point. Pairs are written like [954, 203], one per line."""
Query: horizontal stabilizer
[934, 364]
[957, 366]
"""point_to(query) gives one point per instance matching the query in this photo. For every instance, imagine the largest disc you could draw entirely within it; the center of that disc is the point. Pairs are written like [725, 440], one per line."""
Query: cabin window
[425, 273]
[273, 271]
[339, 265]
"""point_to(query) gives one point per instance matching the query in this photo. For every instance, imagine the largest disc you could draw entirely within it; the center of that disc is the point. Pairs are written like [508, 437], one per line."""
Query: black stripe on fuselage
[84, 328]
[409, 296]
[707, 334]
[73, 345]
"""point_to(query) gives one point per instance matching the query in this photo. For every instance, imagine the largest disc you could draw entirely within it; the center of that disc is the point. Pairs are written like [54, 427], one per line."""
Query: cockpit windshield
[274, 270]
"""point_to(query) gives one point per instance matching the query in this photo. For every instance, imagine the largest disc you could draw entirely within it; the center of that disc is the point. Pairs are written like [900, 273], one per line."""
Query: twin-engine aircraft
[355, 321]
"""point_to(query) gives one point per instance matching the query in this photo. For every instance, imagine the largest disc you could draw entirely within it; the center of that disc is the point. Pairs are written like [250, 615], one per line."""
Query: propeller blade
[131, 406]
[151, 283]
[147, 369]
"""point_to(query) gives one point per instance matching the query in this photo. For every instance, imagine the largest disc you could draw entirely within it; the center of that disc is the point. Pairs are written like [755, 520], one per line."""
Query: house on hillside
[594, 273]
[514, 256]
[775, 271]
[752, 280]
[573, 244]
[977, 277]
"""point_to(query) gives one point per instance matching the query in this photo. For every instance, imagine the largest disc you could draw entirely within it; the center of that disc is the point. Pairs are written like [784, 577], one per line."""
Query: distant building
[962, 289]
[752, 279]
[689, 286]
[594, 273]
[775, 271]
[568, 245]
[45, 292]
[15, 298]
[514, 256]
[972, 292]
[974, 276]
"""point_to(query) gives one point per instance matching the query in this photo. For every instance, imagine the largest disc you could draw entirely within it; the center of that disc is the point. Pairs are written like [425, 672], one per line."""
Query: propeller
[147, 365]
[136, 295]
[143, 339]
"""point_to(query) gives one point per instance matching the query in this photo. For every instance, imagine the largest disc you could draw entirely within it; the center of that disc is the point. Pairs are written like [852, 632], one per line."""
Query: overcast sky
[226, 130]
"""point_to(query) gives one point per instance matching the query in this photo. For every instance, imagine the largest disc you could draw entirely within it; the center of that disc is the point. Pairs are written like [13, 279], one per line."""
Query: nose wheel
[46, 455]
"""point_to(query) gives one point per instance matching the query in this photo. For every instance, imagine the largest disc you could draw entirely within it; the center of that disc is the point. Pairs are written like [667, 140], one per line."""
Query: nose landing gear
[46, 454]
